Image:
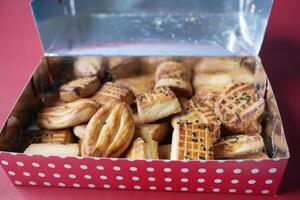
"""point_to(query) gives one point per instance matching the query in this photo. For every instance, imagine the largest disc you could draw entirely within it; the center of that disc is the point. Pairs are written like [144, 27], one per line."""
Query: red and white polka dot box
[138, 28]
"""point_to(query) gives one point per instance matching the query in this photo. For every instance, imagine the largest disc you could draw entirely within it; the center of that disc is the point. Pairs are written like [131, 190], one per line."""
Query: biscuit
[157, 132]
[109, 132]
[85, 66]
[79, 88]
[176, 76]
[193, 141]
[114, 91]
[157, 104]
[142, 150]
[48, 149]
[57, 137]
[122, 67]
[237, 145]
[79, 130]
[67, 115]
[238, 107]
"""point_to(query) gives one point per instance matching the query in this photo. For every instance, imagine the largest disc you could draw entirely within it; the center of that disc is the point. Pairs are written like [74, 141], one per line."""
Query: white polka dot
[232, 190]
[202, 170]
[202, 161]
[237, 171]
[200, 189]
[269, 181]
[216, 190]
[235, 181]
[18, 182]
[4, 162]
[272, 170]
[51, 165]
[220, 171]
[239, 161]
[168, 188]
[91, 185]
[32, 183]
[122, 186]
[41, 174]
[26, 173]
[83, 167]
[106, 186]
[252, 181]
[67, 166]
[218, 180]
[151, 179]
[135, 178]
[265, 191]
[184, 189]
[137, 187]
[35, 164]
[72, 176]
[184, 180]
[119, 178]
[221, 161]
[184, 161]
[254, 171]
[168, 179]
[56, 175]
[133, 169]
[166, 161]
[11, 173]
[76, 185]
[99, 167]
[150, 169]
[276, 159]
[87, 176]
[248, 191]
[149, 160]
[47, 184]
[102, 177]
[201, 180]
[116, 168]
[20, 164]
[152, 188]
[13, 153]
[167, 169]
[96, 158]
[61, 184]
[257, 160]
[184, 170]
[79, 158]
[114, 159]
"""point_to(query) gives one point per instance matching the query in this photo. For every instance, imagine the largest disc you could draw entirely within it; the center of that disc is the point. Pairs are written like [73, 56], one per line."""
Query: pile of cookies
[153, 108]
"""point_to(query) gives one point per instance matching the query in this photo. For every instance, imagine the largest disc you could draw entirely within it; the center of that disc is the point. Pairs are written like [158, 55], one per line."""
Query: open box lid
[156, 27]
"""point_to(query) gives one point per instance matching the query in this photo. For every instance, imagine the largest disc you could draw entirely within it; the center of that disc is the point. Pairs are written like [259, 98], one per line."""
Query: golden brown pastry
[150, 63]
[141, 150]
[79, 130]
[194, 110]
[85, 66]
[114, 91]
[157, 104]
[79, 88]
[237, 145]
[139, 84]
[157, 131]
[252, 156]
[193, 141]
[48, 149]
[109, 132]
[217, 80]
[67, 115]
[57, 137]
[164, 151]
[212, 65]
[239, 107]
[242, 75]
[122, 67]
[176, 76]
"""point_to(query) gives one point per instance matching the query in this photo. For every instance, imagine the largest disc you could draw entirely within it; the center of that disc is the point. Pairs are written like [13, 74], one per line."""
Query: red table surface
[20, 51]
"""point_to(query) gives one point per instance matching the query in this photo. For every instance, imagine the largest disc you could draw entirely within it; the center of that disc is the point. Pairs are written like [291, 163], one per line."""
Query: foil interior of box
[54, 71]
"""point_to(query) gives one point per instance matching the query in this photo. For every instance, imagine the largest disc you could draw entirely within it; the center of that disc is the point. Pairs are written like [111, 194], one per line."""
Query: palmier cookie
[67, 115]
[109, 132]
[86, 66]
[157, 104]
[142, 149]
[237, 145]
[79, 88]
[176, 76]
[238, 107]
[114, 91]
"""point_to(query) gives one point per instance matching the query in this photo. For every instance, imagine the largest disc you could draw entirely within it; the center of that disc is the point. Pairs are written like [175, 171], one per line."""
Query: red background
[20, 51]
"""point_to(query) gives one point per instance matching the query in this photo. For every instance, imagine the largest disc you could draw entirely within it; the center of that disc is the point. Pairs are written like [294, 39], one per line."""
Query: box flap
[143, 27]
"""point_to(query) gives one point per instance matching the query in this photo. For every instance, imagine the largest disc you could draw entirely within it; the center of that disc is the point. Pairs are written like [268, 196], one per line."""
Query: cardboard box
[100, 28]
